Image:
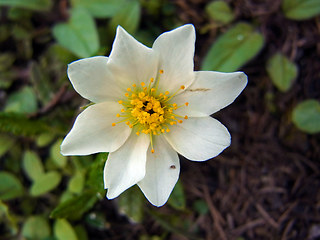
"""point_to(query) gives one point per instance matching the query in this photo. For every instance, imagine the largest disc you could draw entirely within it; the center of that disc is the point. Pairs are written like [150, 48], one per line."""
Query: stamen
[185, 117]
[122, 110]
[134, 85]
[142, 84]
[179, 121]
[120, 102]
[113, 124]
[118, 115]
[187, 104]
[182, 87]
[161, 71]
[129, 89]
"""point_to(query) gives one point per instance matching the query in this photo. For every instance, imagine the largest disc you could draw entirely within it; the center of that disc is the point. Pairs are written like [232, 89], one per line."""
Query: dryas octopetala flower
[149, 106]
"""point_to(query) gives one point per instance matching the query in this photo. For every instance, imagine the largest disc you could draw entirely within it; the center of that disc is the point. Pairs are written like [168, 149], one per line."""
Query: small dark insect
[173, 167]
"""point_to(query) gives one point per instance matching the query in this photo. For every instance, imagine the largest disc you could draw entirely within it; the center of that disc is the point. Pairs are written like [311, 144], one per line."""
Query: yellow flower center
[148, 111]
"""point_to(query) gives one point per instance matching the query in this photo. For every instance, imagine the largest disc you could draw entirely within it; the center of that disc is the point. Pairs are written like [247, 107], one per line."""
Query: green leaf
[32, 165]
[79, 35]
[95, 174]
[7, 220]
[6, 61]
[45, 183]
[44, 139]
[36, 228]
[56, 156]
[131, 203]
[300, 9]
[63, 230]
[23, 101]
[19, 124]
[76, 183]
[99, 8]
[177, 198]
[128, 17]
[281, 71]
[39, 5]
[41, 83]
[306, 116]
[10, 186]
[75, 207]
[233, 49]
[220, 11]
[5, 143]
[81, 232]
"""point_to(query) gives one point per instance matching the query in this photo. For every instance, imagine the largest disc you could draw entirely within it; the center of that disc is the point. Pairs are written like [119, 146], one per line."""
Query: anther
[134, 85]
[129, 89]
[185, 117]
[179, 121]
[142, 84]
[122, 110]
[113, 124]
[152, 150]
[118, 115]
[161, 71]
[186, 103]
[166, 92]
[120, 102]
[138, 133]
[182, 87]
[151, 79]
[126, 94]
[167, 130]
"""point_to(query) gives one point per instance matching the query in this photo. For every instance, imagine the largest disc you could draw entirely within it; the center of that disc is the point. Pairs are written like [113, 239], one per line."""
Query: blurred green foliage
[37, 40]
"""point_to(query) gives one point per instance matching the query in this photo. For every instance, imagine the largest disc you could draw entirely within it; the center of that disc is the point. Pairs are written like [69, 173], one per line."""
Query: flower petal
[162, 172]
[176, 52]
[92, 79]
[126, 166]
[93, 132]
[130, 61]
[210, 92]
[199, 139]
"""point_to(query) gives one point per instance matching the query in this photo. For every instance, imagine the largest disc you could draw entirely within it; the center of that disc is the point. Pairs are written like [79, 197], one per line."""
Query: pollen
[148, 111]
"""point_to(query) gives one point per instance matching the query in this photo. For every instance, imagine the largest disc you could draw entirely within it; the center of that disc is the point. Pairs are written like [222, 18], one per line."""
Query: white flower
[149, 106]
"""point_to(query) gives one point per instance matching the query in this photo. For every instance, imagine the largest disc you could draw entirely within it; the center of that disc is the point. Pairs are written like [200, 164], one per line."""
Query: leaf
[36, 228]
[63, 230]
[79, 35]
[23, 101]
[76, 183]
[5, 143]
[220, 11]
[281, 71]
[99, 8]
[32, 165]
[41, 83]
[300, 9]
[131, 203]
[306, 116]
[7, 220]
[177, 198]
[45, 183]
[19, 124]
[56, 156]
[128, 17]
[75, 207]
[233, 49]
[95, 174]
[44, 139]
[38, 5]
[10, 186]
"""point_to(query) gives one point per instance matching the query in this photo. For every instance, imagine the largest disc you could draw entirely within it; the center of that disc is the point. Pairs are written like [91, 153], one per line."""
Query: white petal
[92, 79]
[176, 52]
[162, 172]
[130, 61]
[210, 92]
[199, 139]
[126, 166]
[93, 132]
